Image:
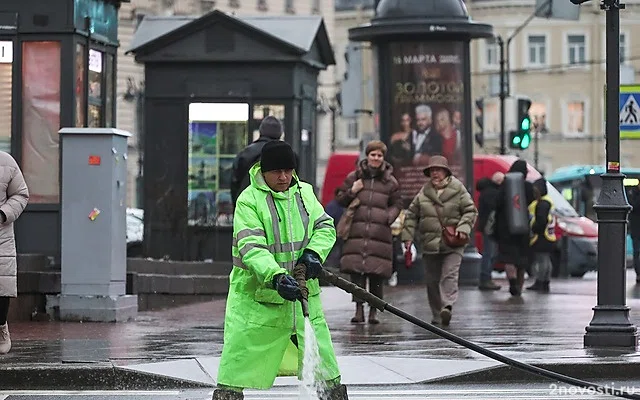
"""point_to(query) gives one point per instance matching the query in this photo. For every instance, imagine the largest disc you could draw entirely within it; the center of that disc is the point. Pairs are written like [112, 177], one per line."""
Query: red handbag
[449, 233]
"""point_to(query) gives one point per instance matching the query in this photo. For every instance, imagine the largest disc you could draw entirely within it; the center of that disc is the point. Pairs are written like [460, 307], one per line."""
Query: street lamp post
[610, 325]
[503, 97]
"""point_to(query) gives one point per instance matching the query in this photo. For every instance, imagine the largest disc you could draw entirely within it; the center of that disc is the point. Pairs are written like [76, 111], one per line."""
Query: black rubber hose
[381, 305]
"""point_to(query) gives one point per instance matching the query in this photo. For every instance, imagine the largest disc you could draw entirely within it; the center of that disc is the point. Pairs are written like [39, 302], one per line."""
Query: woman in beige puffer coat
[14, 197]
[443, 200]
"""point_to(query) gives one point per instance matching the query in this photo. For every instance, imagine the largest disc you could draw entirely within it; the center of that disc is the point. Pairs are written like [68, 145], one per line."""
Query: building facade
[560, 66]
[131, 75]
[354, 127]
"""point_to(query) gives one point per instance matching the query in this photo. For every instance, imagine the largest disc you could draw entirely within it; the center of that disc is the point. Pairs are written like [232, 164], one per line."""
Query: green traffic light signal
[525, 133]
[521, 135]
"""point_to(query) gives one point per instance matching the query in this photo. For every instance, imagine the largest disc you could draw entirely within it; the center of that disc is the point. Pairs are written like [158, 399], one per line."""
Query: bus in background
[580, 185]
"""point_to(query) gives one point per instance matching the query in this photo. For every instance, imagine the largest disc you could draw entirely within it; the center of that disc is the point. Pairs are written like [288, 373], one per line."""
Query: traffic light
[520, 137]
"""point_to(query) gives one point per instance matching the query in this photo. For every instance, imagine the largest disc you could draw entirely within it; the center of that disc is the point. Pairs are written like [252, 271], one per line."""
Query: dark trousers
[489, 248]
[4, 309]
[375, 285]
[636, 255]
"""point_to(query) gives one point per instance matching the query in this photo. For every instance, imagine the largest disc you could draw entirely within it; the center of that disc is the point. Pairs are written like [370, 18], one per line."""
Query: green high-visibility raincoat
[270, 231]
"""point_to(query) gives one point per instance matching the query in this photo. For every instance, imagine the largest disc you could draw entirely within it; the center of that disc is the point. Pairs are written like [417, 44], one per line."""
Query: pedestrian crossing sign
[629, 111]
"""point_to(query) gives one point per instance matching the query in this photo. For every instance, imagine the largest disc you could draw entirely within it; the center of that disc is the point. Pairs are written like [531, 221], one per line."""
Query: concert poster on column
[427, 106]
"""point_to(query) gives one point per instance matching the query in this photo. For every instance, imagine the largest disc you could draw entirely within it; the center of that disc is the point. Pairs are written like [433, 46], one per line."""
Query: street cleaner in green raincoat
[278, 224]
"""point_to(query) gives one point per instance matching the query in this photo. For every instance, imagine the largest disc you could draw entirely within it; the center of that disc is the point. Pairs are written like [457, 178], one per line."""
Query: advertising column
[427, 110]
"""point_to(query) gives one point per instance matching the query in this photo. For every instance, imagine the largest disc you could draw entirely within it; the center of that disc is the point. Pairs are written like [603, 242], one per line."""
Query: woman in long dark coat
[513, 250]
[367, 253]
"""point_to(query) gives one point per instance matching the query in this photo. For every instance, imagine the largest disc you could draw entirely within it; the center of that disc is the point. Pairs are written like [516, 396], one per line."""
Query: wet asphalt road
[534, 327]
[522, 391]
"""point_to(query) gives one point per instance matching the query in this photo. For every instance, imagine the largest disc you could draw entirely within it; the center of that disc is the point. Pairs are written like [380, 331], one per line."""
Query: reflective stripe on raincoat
[270, 231]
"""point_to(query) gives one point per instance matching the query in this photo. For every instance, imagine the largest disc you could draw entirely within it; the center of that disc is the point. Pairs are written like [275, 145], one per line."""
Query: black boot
[537, 286]
[514, 287]
[226, 394]
[335, 393]
[545, 287]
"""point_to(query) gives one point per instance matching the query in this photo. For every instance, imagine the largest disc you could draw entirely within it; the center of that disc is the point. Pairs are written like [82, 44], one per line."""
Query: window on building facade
[288, 7]
[577, 49]
[491, 118]
[575, 121]
[234, 3]
[352, 129]
[623, 48]
[492, 55]
[315, 8]
[207, 5]
[537, 45]
[262, 5]
[538, 114]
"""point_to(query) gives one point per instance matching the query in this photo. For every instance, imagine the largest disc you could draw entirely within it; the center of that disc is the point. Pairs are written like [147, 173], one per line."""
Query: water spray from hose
[311, 357]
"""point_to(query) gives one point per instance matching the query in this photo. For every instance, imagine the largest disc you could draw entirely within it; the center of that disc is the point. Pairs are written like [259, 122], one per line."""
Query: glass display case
[217, 133]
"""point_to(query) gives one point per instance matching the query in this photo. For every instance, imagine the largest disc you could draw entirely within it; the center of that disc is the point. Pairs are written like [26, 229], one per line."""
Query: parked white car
[135, 229]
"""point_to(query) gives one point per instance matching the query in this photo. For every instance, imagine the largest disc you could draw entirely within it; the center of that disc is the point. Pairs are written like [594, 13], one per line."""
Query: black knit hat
[270, 127]
[277, 155]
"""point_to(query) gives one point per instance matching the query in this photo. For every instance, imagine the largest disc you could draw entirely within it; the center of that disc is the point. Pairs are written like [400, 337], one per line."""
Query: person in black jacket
[488, 189]
[543, 237]
[634, 228]
[513, 250]
[270, 130]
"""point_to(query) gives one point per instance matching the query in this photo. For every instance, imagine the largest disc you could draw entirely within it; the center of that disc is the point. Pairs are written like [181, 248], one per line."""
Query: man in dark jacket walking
[634, 228]
[488, 189]
[513, 250]
[270, 130]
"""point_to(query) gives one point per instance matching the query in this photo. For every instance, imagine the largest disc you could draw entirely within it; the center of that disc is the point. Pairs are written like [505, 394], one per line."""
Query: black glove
[311, 260]
[287, 287]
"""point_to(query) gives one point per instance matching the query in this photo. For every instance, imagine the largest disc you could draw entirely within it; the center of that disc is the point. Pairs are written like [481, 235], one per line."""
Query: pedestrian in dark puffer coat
[513, 250]
[367, 253]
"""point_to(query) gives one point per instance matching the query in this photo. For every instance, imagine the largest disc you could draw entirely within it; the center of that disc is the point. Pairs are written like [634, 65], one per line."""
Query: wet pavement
[185, 342]
[521, 391]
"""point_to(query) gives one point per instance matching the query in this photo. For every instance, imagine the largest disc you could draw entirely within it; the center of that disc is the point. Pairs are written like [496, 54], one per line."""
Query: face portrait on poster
[427, 110]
